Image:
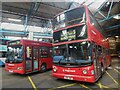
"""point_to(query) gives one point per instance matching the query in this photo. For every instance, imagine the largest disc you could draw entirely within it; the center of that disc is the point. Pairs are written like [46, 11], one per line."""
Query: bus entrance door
[28, 59]
[35, 59]
[96, 61]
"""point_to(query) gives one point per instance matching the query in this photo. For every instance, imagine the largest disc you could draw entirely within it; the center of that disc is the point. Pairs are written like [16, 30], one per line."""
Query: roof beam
[114, 26]
[23, 11]
[53, 6]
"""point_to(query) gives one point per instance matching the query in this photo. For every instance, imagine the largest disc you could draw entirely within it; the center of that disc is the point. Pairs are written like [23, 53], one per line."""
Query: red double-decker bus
[81, 49]
[27, 56]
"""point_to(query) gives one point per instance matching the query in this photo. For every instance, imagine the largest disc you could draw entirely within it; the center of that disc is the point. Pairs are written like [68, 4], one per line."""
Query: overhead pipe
[114, 26]
[108, 18]
[25, 23]
[100, 8]
[110, 9]
[19, 14]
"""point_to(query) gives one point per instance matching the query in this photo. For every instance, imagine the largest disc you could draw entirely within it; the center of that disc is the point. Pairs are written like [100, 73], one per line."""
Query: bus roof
[30, 42]
[35, 41]
[69, 10]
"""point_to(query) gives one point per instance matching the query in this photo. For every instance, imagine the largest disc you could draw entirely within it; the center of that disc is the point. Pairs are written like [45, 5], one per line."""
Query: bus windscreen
[14, 54]
[75, 52]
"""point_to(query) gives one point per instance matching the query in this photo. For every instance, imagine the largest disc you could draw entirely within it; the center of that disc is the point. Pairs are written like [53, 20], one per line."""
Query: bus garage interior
[34, 21]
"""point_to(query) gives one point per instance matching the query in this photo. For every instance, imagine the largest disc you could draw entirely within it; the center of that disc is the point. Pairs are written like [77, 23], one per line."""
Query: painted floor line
[112, 78]
[117, 71]
[66, 85]
[101, 86]
[85, 86]
[33, 85]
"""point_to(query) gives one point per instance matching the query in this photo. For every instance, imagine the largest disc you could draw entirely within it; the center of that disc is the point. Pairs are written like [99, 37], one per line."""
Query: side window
[104, 51]
[99, 49]
[107, 52]
[35, 53]
[51, 51]
[28, 53]
[91, 20]
[93, 50]
[45, 52]
[94, 22]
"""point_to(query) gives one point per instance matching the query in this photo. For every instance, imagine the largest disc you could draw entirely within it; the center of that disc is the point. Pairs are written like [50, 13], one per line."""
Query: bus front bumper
[74, 77]
[14, 71]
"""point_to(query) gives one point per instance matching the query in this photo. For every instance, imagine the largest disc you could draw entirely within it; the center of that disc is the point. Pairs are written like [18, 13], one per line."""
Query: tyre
[43, 68]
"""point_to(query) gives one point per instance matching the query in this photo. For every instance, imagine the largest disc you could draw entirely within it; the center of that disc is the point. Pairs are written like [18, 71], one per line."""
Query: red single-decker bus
[27, 56]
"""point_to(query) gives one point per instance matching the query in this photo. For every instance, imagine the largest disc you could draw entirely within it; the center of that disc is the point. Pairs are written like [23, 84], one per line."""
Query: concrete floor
[44, 80]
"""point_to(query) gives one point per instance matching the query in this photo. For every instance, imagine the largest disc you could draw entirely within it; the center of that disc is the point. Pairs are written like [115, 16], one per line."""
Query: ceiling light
[16, 20]
[116, 17]
[116, 36]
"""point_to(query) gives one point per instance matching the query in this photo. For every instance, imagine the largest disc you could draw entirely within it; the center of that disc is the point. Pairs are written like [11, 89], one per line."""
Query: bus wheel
[43, 68]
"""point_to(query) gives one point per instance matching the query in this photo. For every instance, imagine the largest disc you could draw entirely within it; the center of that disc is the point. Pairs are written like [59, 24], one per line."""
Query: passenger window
[28, 53]
[35, 53]
[99, 50]
[45, 52]
[107, 52]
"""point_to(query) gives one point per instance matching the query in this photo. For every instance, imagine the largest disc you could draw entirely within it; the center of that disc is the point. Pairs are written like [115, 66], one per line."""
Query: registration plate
[67, 77]
[11, 71]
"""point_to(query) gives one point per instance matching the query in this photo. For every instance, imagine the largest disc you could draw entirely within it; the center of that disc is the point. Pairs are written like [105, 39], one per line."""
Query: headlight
[84, 71]
[54, 69]
[19, 68]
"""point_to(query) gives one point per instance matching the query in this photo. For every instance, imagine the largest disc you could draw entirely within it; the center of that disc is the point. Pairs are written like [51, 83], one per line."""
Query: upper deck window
[68, 18]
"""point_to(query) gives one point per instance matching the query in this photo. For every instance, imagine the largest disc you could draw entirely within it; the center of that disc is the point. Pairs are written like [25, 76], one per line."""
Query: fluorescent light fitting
[116, 36]
[16, 20]
[116, 17]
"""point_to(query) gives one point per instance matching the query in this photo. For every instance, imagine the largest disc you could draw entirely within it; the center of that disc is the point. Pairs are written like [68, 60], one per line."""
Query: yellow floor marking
[33, 85]
[112, 78]
[111, 84]
[99, 85]
[85, 86]
[117, 71]
[66, 85]
[104, 86]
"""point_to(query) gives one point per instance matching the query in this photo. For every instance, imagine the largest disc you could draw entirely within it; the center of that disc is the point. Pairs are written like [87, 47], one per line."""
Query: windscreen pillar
[30, 36]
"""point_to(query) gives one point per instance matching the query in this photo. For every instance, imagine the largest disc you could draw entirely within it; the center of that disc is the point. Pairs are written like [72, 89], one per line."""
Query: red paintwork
[59, 29]
[13, 67]
[36, 44]
[93, 36]
[75, 73]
